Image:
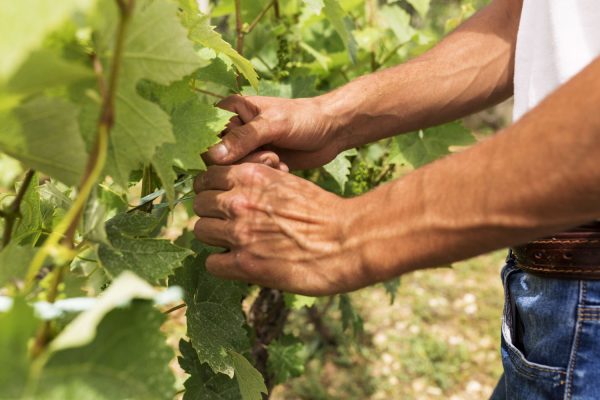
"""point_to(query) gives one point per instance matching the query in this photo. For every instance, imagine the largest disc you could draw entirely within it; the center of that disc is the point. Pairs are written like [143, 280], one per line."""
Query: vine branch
[13, 212]
[260, 15]
[97, 158]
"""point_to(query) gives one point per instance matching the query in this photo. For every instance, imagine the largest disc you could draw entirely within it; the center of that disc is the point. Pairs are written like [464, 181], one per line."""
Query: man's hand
[296, 130]
[281, 231]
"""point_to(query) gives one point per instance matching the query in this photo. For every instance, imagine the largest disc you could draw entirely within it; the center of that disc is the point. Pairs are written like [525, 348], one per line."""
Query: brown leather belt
[574, 254]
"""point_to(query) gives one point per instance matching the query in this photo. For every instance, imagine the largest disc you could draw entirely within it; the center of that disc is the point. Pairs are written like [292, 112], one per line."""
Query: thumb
[238, 142]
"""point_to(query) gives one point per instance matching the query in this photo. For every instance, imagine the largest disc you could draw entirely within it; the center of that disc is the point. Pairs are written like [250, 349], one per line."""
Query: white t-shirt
[556, 40]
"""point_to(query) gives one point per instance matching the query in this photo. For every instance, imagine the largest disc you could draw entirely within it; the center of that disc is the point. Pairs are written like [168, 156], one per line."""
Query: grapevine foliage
[105, 108]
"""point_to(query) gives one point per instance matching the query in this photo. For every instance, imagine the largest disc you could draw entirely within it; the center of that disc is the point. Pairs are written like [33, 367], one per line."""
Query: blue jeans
[550, 338]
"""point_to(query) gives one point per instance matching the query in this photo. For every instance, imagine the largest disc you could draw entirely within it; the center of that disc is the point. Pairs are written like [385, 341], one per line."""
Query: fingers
[240, 141]
[210, 203]
[240, 105]
[216, 177]
[213, 231]
[224, 265]
[268, 158]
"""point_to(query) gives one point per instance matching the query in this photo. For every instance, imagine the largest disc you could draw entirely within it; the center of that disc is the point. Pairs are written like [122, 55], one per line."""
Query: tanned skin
[534, 178]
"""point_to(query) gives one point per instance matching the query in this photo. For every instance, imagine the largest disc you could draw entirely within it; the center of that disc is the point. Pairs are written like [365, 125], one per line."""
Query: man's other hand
[281, 231]
[297, 130]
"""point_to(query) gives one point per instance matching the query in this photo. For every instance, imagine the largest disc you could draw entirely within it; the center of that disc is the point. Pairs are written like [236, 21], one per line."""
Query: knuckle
[253, 173]
[244, 262]
[241, 234]
[237, 206]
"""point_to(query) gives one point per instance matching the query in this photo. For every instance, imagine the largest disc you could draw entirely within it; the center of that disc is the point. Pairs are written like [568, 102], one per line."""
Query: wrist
[355, 220]
[336, 112]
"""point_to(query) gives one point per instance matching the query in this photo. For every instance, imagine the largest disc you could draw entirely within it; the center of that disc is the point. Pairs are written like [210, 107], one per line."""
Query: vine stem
[96, 160]
[239, 43]
[208, 92]
[14, 210]
[259, 17]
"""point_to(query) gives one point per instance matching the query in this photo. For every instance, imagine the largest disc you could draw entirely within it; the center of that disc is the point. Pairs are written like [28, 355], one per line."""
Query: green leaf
[18, 327]
[204, 34]
[128, 358]
[14, 260]
[314, 6]
[25, 24]
[398, 21]
[36, 135]
[196, 126]
[342, 24]
[45, 69]
[422, 6]
[82, 330]
[132, 249]
[422, 147]
[218, 72]
[250, 381]
[286, 358]
[29, 225]
[297, 301]
[339, 168]
[203, 383]
[350, 317]
[214, 314]
[391, 287]
[157, 49]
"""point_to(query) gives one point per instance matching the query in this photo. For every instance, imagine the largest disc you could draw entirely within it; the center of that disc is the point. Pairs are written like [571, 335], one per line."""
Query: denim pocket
[513, 356]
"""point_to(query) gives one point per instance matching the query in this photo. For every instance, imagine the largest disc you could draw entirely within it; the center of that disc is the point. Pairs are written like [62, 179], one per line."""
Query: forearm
[469, 70]
[535, 178]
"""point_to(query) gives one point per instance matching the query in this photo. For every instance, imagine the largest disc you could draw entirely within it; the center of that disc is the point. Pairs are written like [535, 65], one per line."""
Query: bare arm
[469, 70]
[535, 178]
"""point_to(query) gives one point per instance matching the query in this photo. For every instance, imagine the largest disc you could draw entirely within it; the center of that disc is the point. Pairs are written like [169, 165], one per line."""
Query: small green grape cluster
[360, 178]
[283, 57]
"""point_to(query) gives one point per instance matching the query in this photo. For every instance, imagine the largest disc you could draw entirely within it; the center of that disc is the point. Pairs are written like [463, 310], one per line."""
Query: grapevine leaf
[286, 358]
[196, 126]
[132, 249]
[314, 6]
[204, 34]
[342, 24]
[18, 327]
[398, 21]
[391, 287]
[297, 301]
[29, 225]
[214, 314]
[157, 49]
[350, 317]
[203, 383]
[45, 69]
[127, 359]
[420, 148]
[339, 168]
[14, 260]
[36, 135]
[82, 330]
[422, 6]
[25, 23]
[218, 72]
[250, 381]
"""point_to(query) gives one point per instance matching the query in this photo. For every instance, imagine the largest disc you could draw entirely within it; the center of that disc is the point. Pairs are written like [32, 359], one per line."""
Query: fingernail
[218, 152]
[267, 161]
